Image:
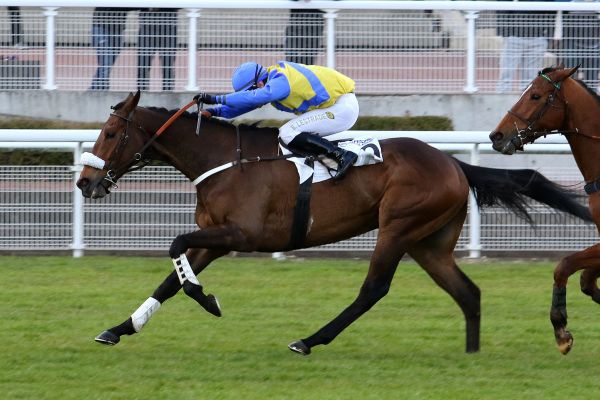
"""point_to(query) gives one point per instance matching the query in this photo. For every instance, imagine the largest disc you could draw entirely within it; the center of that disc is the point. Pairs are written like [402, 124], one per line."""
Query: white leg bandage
[92, 160]
[184, 270]
[144, 312]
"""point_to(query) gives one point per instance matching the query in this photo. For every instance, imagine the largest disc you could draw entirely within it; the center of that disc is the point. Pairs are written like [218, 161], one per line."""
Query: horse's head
[114, 151]
[541, 109]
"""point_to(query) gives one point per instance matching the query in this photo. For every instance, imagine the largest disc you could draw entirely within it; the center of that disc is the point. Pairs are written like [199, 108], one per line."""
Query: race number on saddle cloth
[367, 149]
[322, 98]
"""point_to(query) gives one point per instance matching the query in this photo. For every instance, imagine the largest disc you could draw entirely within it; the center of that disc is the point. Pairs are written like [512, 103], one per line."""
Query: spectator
[581, 43]
[526, 35]
[303, 35]
[157, 34]
[108, 25]
[16, 26]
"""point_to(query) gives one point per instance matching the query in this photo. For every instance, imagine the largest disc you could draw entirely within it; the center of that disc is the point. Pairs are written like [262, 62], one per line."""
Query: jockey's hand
[205, 98]
[205, 114]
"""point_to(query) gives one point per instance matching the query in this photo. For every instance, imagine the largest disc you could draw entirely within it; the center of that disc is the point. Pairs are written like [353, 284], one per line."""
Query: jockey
[322, 98]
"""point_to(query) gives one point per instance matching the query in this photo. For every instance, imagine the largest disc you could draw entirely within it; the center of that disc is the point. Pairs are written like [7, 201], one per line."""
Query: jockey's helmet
[247, 75]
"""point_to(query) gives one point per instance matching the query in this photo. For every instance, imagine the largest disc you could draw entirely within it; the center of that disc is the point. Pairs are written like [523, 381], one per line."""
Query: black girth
[302, 210]
[592, 187]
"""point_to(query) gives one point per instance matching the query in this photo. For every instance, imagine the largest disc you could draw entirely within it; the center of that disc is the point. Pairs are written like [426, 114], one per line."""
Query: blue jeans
[108, 47]
[524, 55]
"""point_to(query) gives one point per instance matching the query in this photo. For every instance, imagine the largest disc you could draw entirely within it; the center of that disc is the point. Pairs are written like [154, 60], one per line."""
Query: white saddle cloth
[367, 149]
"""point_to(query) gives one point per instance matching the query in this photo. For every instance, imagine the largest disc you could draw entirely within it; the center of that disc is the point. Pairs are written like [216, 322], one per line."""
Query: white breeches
[323, 121]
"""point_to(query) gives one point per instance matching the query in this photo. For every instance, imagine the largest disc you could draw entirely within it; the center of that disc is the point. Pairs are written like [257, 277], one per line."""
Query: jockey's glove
[205, 98]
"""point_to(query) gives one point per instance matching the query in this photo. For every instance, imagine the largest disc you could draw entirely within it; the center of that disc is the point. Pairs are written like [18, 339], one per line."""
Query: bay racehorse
[417, 198]
[556, 103]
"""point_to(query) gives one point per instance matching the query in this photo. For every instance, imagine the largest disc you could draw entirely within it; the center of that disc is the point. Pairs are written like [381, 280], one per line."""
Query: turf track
[409, 346]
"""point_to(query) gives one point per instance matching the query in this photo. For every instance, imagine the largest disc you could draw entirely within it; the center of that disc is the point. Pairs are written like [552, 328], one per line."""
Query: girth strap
[302, 210]
[592, 187]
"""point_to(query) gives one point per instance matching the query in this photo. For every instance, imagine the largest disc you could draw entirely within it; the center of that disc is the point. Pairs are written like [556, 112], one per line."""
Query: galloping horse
[556, 103]
[417, 198]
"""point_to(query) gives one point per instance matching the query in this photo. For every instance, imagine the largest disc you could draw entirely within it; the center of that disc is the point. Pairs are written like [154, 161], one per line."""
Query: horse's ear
[561, 65]
[136, 98]
[562, 74]
[573, 70]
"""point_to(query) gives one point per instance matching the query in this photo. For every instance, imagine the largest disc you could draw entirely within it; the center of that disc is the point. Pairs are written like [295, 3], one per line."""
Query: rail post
[192, 14]
[474, 213]
[470, 87]
[330, 16]
[50, 13]
[77, 243]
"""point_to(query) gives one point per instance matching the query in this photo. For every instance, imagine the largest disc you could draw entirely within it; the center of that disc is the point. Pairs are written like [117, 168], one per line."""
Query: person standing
[108, 25]
[525, 41]
[157, 34]
[581, 43]
[303, 35]
[16, 26]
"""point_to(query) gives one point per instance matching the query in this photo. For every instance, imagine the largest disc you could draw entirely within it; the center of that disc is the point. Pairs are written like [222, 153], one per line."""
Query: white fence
[41, 209]
[388, 47]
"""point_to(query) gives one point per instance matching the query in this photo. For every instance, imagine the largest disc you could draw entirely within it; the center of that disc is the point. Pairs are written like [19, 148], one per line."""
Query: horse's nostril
[83, 182]
[496, 136]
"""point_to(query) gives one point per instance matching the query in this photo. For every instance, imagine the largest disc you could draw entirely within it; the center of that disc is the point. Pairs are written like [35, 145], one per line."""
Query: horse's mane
[591, 91]
[194, 115]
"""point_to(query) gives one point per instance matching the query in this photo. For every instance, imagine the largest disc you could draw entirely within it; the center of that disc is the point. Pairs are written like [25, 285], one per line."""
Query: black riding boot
[316, 145]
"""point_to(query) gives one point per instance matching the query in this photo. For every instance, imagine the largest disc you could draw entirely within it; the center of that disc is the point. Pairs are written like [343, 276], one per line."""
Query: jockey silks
[290, 87]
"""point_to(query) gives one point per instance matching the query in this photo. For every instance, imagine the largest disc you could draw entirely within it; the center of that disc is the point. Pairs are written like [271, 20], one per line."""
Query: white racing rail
[43, 210]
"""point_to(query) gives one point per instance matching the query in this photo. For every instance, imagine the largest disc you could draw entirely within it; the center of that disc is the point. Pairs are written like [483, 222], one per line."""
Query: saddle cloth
[368, 150]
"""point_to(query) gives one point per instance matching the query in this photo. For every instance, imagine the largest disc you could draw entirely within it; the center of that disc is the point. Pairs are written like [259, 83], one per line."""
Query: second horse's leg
[200, 259]
[589, 283]
[586, 259]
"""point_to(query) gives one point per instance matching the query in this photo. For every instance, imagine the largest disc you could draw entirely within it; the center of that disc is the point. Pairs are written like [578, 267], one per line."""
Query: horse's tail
[510, 187]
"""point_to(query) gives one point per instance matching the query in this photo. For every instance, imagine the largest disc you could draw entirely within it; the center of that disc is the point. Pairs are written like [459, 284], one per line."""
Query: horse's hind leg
[383, 264]
[200, 258]
[439, 263]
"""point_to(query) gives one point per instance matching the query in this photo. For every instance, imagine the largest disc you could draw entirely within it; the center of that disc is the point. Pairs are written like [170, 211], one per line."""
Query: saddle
[368, 150]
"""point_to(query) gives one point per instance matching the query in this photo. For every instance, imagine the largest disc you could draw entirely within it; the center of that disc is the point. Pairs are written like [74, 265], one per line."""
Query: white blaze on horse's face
[525, 91]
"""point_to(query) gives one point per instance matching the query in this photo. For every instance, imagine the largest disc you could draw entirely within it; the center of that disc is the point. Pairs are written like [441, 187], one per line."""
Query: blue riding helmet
[247, 75]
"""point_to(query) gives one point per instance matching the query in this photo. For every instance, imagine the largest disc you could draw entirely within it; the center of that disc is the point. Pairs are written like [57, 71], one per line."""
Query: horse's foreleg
[201, 258]
[589, 283]
[221, 239]
[376, 285]
[588, 259]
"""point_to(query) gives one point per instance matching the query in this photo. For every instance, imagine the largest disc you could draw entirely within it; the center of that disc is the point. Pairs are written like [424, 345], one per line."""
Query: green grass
[409, 346]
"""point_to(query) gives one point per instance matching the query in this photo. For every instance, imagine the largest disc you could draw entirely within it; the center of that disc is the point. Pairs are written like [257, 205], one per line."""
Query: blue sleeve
[228, 112]
[277, 88]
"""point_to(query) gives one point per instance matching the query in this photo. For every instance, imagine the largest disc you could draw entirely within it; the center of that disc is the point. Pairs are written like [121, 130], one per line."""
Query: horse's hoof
[565, 343]
[299, 347]
[213, 305]
[107, 338]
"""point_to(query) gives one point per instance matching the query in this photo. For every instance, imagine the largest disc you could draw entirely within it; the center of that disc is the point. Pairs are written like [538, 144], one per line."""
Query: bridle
[529, 134]
[138, 162]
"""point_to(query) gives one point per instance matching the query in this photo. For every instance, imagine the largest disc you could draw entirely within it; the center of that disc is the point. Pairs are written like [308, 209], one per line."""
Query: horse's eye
[110, 135]
[535, 96]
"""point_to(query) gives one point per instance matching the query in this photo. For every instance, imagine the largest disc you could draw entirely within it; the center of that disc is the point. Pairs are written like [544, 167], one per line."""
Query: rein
[168, 123]
[138, 159]
[140, 162]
